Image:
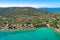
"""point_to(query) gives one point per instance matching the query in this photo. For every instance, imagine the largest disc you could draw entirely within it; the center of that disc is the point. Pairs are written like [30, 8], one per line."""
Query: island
[23, 18]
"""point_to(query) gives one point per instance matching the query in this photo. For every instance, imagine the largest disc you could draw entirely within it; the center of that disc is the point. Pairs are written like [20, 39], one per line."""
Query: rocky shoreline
[28, 27]
[23, 27]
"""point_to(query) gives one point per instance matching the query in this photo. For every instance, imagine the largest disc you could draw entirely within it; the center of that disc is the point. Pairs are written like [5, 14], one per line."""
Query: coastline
[57, 30]
[12, 30]
[54, 28]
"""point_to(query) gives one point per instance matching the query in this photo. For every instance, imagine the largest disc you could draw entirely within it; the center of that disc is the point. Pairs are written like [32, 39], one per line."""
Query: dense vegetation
[27, 17]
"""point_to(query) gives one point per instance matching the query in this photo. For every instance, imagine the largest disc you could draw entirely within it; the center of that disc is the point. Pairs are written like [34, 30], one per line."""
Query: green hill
[26, 17]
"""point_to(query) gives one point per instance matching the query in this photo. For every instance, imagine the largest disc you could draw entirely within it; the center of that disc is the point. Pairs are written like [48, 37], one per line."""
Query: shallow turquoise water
[38, 34]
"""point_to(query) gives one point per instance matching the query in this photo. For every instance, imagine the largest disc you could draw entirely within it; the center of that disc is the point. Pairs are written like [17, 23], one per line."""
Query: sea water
[38, 34]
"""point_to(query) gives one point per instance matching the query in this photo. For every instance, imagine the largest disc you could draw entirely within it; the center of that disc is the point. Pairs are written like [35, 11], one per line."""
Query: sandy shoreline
[53, 28]
[57, 30]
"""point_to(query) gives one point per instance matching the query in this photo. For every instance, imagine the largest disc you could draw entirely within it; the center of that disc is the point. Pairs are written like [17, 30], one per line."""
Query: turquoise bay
[38, 34]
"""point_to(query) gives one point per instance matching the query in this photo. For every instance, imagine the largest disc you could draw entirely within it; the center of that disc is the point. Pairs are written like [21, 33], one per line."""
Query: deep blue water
[38, 34]
[50, 9]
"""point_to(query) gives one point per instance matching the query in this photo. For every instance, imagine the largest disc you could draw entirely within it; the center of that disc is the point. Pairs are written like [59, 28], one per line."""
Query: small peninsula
[28, 18]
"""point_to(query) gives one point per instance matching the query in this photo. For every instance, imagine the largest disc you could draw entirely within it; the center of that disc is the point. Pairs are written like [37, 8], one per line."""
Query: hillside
[14, 11]
[26, 18]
